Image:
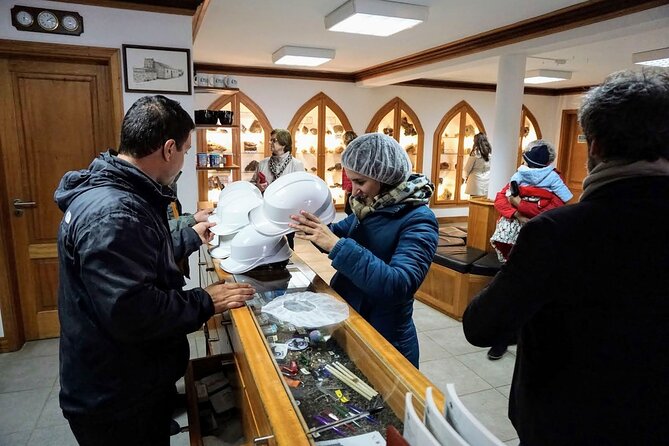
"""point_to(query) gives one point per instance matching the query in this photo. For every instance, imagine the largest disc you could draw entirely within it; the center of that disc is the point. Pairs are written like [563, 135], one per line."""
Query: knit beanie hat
[537, 156]
[379, 157]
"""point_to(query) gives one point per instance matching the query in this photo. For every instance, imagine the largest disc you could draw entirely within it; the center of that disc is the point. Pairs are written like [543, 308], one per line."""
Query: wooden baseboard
[458, 219]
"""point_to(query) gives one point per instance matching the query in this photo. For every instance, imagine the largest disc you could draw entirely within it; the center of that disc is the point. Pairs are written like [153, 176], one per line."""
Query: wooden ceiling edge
[120, 4]
[348, 77]
[274, 72]
[198, 17]
[564, 19]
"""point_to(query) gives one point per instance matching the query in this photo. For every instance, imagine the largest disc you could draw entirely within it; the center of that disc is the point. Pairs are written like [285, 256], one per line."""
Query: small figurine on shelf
[409, 129]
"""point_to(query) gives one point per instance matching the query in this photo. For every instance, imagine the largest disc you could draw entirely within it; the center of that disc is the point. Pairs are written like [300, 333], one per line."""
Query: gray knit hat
[379, 157]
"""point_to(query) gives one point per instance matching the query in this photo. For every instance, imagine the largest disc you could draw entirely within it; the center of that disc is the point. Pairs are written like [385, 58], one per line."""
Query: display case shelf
[216, 126]
[215, 90]
[218, 169]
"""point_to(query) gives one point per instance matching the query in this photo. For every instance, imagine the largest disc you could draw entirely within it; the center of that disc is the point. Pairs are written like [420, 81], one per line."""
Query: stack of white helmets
[252, 228]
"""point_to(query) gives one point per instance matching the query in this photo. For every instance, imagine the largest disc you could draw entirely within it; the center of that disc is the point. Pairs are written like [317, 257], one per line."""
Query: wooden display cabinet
[398, 120]
[247, 140]
[453, 141]
[317, 129]
[270, 414]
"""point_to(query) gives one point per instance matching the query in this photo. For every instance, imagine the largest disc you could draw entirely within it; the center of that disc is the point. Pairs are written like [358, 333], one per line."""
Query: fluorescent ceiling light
[655, 58]
[303, 56]
[375, 17]
[542, 76]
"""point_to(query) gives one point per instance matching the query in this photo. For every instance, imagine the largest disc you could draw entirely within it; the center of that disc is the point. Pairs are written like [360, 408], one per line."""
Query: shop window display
[453, 141]
[317, 129]
[398, 120]
[247, 141]
[529, 131]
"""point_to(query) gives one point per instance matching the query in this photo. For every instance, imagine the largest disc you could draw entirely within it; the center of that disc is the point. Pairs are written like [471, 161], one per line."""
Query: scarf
[415, 191]
[610, 171]
[277, 164]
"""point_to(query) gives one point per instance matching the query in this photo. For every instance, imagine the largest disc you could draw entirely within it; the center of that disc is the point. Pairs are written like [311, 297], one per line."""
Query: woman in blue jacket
[383, 250]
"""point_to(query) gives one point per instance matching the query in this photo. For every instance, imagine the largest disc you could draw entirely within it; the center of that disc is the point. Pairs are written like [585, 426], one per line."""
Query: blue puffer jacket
[381, 261]
[123, 313]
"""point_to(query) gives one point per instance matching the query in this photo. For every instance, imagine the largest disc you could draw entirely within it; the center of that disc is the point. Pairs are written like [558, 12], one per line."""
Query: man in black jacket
[587, 286]
[124, 315]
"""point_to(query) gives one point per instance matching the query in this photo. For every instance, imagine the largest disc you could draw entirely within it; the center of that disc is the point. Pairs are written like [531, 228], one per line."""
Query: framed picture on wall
[153, 69]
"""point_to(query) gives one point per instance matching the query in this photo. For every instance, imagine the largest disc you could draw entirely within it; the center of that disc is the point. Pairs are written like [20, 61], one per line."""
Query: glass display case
[398, 120]
[317, 129]
[454, 139]
[246, 142]
[529, 131]
[287, 395]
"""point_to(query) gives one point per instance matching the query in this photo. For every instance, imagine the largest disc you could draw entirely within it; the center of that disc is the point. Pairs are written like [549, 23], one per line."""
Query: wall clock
[46, 20]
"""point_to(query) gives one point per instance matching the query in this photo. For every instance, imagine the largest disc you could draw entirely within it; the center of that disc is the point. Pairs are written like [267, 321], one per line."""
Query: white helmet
[250, 249]
[235, 202]
[237, 185]
[222, 251]
[287, 196]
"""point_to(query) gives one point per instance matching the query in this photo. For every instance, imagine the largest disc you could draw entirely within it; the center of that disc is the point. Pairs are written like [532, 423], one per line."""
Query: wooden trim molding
[198, 17]
[571, 17]
[178, 7]
[274, 72]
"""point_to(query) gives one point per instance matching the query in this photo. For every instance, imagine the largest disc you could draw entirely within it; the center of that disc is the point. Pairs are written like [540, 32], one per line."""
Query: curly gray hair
[628, 115]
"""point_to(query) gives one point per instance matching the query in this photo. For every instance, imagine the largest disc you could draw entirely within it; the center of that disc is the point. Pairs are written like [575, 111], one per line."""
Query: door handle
[20, 205]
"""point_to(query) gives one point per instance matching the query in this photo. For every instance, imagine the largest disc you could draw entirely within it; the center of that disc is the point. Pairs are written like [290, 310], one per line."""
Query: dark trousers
[149, 425]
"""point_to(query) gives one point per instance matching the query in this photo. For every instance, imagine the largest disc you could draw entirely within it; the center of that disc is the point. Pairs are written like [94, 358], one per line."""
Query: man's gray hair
[628, 115]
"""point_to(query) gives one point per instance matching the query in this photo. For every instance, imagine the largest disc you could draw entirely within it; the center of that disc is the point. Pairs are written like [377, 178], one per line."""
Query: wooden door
[573, 153]
[58, 117]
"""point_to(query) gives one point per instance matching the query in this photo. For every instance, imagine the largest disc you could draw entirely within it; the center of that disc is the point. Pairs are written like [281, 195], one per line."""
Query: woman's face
[277, 147]
[362, 186]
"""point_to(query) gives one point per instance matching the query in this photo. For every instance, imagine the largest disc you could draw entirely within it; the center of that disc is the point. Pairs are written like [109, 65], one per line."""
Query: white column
[508, 106]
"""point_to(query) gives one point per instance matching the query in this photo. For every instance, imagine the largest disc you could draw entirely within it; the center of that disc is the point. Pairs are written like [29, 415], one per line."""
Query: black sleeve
[520, 289]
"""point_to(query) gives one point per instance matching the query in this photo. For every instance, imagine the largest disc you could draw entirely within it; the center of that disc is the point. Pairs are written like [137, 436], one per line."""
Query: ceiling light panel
[654, 58]
[302, 56]
[542, 76]
[375, 17]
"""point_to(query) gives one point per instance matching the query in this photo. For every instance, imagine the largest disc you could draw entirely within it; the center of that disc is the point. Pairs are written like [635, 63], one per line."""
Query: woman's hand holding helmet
[309, 227]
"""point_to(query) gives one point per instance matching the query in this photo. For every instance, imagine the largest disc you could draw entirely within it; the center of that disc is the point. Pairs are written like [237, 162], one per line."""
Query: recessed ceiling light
[375, 17]
[542, 76]
[655, 58]
[302, 56]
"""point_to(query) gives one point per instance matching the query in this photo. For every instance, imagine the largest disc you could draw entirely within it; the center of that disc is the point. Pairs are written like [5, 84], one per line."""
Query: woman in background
[477, 169]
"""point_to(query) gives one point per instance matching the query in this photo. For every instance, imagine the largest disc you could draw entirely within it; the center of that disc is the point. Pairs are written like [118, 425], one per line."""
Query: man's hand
[514, 201]
[203, 214]
[229, 295]
[309, 227]
[262, 186]
[203, 231]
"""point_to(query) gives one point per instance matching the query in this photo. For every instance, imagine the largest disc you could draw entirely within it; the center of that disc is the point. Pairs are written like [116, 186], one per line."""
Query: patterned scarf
[277, 164]
[607, 172]
[416, 190]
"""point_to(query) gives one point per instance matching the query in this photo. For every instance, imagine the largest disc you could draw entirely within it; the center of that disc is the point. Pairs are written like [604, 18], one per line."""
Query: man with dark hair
[587, 286]
[123, 312]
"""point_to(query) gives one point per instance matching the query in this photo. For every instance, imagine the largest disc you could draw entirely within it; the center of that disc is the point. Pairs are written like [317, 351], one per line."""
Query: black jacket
[587, 288]
[123, 313]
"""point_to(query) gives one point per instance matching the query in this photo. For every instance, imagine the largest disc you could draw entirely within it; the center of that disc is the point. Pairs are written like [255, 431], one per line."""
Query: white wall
[281, 98]
[111, 28]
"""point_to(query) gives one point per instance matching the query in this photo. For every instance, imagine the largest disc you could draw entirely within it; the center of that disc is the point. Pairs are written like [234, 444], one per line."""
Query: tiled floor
[30, 415]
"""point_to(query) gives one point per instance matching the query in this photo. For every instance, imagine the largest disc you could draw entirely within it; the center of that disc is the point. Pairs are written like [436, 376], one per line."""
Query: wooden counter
[271, 405]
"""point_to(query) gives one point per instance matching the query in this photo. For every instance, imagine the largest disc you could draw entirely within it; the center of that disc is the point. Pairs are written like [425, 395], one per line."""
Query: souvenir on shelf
[252, 142]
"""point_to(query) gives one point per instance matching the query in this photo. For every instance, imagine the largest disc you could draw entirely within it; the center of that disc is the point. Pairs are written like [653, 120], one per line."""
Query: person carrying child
[535, 188]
